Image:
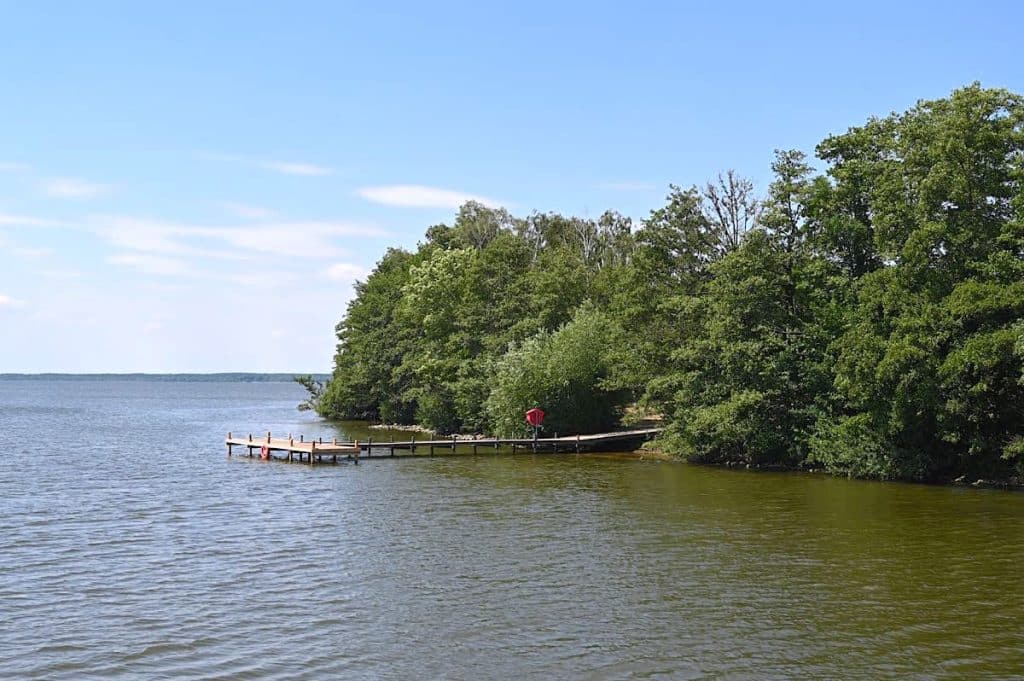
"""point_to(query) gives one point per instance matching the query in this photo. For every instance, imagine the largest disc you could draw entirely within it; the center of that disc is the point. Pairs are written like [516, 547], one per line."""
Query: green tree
[562, 372]
[372, 343]
[929, 365]
[751, 375]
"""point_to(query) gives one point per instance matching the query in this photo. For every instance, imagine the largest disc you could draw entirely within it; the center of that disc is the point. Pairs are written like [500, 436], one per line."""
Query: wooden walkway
[319, 451]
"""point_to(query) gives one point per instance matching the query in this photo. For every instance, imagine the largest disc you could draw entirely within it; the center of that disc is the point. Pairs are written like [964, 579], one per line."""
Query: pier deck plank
[318, 451]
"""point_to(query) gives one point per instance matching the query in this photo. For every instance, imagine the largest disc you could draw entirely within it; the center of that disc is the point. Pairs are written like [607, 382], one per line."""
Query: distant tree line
[867, 320]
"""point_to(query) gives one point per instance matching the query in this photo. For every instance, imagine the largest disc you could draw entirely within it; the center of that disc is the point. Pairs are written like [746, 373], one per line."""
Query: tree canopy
[867, 319]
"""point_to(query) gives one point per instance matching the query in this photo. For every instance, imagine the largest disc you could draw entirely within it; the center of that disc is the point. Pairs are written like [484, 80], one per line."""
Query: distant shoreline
[219, 377]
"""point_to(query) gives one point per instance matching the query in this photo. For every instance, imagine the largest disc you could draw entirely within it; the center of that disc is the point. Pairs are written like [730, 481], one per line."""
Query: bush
[563, 373]
[855, 447]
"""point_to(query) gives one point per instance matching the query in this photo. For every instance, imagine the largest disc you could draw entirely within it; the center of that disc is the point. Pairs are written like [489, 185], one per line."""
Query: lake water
[131, 546]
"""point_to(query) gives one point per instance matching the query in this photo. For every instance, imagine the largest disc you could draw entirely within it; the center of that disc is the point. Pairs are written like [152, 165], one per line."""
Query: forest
[865, 318]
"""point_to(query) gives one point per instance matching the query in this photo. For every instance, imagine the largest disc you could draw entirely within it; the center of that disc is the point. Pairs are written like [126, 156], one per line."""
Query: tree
[561, 372]
[372, 343]
[731, 208]
[750, 375]
[929, 364]
[315, 390]
[869, 320]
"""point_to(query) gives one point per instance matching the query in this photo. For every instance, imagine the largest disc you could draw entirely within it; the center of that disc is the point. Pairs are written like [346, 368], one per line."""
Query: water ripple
[119, 559]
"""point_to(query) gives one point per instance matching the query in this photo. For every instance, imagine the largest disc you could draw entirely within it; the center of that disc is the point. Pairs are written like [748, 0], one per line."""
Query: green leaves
[929, 358]
[869, 319]
[561, 372]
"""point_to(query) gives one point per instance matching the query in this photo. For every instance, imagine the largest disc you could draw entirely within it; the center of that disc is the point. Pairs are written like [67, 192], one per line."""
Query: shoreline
[1012, 483]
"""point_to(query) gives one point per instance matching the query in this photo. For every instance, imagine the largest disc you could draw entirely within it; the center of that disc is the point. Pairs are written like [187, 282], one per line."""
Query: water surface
[131, 546]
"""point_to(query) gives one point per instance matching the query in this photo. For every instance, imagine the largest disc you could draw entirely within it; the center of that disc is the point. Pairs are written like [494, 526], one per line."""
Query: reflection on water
[130, 545]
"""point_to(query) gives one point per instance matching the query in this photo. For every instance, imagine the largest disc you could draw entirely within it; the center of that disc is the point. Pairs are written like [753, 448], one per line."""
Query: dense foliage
[868, 320]
[563, 372]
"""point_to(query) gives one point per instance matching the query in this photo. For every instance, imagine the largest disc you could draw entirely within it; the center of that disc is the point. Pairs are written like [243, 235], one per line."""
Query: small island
[865, 318]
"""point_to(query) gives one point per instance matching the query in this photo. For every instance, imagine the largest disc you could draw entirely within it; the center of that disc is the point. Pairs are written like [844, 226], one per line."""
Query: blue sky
[194, 186]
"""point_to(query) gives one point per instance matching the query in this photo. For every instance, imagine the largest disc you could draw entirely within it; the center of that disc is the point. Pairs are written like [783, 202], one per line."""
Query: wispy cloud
[153, 236]
[11, 220]
[247, 211]
[286, 167]
[9, 302]
[296, 168]
[181, 268]
[420, 196]
[627, 186]
[153, 264]
[32, 252]
[344, 271]
[72, 188]
[286, 238]
[296, 239]
[299, 239]
[60, 273]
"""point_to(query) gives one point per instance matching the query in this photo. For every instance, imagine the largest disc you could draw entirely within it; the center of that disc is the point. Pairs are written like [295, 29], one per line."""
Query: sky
[196, 186]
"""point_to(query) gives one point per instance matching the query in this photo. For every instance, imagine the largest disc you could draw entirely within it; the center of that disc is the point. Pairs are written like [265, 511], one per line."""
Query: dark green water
[130, 546]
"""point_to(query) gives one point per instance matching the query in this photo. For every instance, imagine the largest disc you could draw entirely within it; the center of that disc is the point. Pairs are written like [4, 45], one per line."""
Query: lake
[131, 546]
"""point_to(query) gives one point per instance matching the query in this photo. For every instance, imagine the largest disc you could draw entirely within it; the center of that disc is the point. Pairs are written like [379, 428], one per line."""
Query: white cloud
[292, 239]
[29, 221]
[284, 238]
[344, 271]
[419, 196]
[296, 168]
[627, 186]
[71, 188]
[153, 264]
[60, 274]
[275, 165]
[8, 302]
[154, 236]
[165, 288]
[26, 252]
[248, 211]
[32, 253]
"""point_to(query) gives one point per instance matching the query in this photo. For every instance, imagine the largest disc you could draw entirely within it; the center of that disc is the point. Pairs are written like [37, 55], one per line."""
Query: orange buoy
[265, 452]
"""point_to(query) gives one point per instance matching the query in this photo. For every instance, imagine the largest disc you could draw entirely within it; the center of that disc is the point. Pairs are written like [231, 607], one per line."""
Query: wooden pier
[319, 451]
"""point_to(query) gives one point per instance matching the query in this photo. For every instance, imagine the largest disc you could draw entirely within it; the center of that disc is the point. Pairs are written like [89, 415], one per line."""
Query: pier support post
[413, 444]
[229, 444]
